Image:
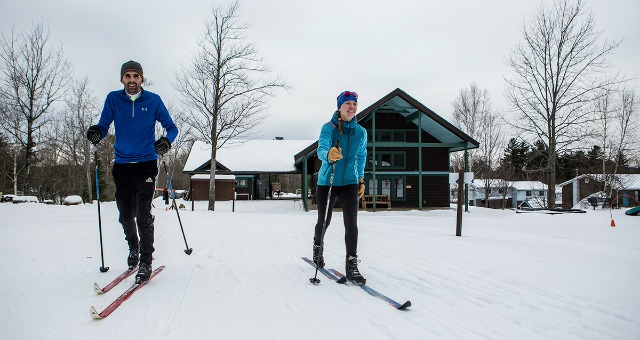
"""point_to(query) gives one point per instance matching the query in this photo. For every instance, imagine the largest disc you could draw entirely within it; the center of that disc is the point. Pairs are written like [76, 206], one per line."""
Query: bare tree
[179, 149]
[10, 123]
[226, 86]
[33, 78]
[81, 110]
[557, 70]
[469, 109]
[604, 110]
[623, 136]
[491, 146]
[473, 113]
[628, 123]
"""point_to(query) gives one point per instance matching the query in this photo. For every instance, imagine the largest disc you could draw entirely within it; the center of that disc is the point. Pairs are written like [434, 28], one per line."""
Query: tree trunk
[551, 182]
[212, 179]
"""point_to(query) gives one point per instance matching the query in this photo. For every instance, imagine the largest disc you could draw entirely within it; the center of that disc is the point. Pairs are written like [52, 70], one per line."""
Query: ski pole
[187, 251]
[95, 155]
[315, 279]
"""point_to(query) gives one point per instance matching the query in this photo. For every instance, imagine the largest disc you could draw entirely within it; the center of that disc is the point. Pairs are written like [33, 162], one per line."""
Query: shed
[626, 188]
[253, 164]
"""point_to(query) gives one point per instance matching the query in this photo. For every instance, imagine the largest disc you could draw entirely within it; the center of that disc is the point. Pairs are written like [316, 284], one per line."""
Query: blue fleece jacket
[353, 142]
[135, 123]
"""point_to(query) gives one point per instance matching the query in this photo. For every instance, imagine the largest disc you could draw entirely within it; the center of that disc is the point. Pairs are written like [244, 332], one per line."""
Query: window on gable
[387, 135]
[388, 160]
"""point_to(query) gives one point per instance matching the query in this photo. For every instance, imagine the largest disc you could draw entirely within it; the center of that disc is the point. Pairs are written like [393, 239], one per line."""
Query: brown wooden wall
[224, 190]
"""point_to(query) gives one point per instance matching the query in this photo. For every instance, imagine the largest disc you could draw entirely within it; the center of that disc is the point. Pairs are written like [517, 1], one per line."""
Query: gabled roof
[622, 181]
[517, 185]
[572, 180]
[254, 156]
[400, 102]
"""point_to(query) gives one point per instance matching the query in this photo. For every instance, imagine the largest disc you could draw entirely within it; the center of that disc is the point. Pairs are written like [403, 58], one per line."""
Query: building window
[372, 187]
[241, 183]
[388, 160]
[394, 187]
[528, 193]
[385, 187]
[399, 187]
[383, 135]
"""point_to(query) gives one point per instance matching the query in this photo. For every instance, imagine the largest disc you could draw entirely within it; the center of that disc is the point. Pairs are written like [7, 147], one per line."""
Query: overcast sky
[429, 48]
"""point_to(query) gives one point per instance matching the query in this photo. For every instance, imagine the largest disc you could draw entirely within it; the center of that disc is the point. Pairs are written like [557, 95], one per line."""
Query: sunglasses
[349, 94]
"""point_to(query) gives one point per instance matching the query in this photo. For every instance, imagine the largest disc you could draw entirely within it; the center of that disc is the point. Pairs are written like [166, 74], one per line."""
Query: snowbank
[510, 276]
[72, 200]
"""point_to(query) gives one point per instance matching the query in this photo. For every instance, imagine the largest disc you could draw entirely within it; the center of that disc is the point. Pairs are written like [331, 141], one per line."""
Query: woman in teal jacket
[343, 142]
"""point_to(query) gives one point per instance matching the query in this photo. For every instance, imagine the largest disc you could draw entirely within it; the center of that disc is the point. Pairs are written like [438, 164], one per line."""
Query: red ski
[113, 283]
[117, 302]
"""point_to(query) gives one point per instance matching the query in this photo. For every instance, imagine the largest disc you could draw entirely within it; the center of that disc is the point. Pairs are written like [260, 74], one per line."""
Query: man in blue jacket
[134, 113]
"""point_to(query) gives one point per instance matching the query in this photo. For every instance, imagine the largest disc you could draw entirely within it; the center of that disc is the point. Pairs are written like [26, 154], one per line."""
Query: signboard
[453, 178]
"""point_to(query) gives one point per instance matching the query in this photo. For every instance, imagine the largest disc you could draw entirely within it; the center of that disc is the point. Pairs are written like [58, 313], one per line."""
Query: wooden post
[459, 210]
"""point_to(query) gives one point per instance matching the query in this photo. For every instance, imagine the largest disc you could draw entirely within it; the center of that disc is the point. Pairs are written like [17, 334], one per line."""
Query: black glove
[94, 134]
[163, 145]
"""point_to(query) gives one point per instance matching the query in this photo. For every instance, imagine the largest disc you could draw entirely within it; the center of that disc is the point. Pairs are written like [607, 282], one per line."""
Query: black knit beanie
[130, 66]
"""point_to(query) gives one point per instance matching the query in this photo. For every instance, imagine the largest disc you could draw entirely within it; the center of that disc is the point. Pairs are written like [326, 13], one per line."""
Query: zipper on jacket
[133, 109]
[344, 166]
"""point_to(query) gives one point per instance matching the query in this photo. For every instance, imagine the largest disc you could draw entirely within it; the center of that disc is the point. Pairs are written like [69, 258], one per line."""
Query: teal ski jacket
[353, 141]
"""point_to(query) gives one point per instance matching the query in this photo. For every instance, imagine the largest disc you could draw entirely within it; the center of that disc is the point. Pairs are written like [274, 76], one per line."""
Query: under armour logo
[149, 180]
[144, 109]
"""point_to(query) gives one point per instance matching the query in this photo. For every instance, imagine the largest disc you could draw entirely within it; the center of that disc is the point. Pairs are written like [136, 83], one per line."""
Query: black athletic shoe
[318, 258]
[134, 258]
[144, 272]
[353, 274]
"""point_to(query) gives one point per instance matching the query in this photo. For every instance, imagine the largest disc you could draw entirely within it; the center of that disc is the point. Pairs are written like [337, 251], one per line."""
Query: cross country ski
[325, 272]
[122, 298]
[375, 293]
[115, 281]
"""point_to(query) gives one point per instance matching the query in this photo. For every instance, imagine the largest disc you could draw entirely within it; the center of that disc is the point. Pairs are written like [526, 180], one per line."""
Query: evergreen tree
[594, 159]
[515, 157]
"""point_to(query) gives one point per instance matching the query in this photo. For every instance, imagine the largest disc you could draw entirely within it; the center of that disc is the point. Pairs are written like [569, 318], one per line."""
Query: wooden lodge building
[408, 151]
[408, 157]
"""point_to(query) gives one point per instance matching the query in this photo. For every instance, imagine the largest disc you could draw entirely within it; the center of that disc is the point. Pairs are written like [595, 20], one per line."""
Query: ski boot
[353, 274]
[134, 258]
[318, 258]
[144, 272]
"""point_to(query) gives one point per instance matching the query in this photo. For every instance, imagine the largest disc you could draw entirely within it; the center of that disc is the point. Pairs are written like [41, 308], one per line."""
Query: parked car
[7, 198]
[25, 199]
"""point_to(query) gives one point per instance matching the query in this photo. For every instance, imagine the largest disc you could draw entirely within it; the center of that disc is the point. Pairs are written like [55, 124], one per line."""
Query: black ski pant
[135, 186]
[348, 196]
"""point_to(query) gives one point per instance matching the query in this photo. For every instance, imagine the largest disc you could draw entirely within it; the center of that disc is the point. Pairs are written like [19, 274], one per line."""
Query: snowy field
[511, 276]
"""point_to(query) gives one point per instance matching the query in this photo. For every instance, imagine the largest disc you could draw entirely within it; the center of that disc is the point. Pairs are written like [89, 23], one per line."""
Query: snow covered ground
[511, 276]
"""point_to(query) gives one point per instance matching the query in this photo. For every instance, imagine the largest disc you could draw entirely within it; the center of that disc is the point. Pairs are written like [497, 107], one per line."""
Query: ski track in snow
[524, 276]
